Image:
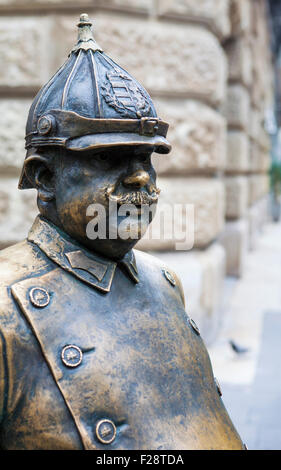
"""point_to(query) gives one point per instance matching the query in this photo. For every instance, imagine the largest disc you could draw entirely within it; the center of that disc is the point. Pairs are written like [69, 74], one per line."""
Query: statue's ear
[38, 170]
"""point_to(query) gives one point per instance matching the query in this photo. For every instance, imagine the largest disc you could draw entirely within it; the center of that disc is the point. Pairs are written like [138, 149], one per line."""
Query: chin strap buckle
[149, 126]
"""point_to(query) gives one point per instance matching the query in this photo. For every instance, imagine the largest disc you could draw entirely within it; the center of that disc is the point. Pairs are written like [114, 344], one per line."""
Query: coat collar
[85, 265]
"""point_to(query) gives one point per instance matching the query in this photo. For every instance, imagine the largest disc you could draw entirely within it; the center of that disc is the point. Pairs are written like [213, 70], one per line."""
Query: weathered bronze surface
[96, 348]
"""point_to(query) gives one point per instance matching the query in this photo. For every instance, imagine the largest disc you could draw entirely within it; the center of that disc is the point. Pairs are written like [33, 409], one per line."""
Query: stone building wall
[249, 96]
[203, 64]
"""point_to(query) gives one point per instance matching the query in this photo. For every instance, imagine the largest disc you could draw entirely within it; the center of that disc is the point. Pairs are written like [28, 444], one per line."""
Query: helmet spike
[84, 19]
[86, 40]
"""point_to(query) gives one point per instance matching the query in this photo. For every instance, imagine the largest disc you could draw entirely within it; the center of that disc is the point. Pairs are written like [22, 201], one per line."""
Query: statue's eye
[100, 158]
[144, 158]
[103, 157]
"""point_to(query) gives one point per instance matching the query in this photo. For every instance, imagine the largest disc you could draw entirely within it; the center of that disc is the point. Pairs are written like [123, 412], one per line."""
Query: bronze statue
[96, 349]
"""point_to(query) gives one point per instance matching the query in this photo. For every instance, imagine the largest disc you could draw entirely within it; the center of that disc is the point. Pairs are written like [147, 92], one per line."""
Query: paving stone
[250, 382]
[255, 409]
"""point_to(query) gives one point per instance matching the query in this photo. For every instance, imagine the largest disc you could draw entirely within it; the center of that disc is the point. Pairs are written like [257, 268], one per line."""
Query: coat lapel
[66, 318]
[95, 270]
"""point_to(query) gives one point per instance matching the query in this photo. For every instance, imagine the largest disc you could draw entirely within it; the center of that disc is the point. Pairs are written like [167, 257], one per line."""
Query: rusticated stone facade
[198, 133]
[249, 96]
[207, 65]
[160, 68]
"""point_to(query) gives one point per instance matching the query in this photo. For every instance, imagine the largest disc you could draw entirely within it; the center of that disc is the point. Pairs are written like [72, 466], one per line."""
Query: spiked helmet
[92, 103]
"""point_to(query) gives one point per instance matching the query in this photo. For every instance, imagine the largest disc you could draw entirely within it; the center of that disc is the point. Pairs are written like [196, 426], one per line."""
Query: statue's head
[90, 135]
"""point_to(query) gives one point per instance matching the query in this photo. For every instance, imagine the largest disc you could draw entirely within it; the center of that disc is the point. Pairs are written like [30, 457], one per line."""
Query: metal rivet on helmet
[45, 124]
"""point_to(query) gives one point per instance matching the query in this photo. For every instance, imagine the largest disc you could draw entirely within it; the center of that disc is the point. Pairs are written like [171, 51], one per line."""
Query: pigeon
[238, 349]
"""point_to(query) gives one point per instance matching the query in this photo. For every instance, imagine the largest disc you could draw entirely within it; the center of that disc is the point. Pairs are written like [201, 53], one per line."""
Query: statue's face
[116, 188]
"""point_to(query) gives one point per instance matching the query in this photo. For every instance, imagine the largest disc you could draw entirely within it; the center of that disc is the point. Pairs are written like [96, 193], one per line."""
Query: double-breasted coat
[96, 354]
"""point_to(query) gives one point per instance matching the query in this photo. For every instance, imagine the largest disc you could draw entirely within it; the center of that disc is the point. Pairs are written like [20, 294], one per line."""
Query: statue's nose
[138, 179]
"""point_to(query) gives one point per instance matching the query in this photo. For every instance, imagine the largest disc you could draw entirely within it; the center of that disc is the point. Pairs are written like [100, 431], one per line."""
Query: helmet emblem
[122, 93]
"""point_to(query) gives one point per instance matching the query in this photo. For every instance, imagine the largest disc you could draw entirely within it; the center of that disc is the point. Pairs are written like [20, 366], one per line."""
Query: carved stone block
[142, 5]
[258, 187]
[195, 65]
[24, 52]
[264, 185]
[263, 72]
[198, 137]
[235, 242]
[255, 157]
[264, 140]
[202, 195]
[17, 211]
[236, 192]
[238, 152]
[257, 131]
[265, 160]
[260, 159]
[241, 17]
[217, 16]
[255, 123]
[13, 115]
[237, 107]
[239, 60]
[258, 215]
[29, 3]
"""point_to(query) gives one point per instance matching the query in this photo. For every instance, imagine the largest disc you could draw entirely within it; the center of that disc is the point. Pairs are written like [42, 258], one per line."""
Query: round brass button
[106, 431]
[194, 326]
[169, 277]
[71, 356]
[39, 297]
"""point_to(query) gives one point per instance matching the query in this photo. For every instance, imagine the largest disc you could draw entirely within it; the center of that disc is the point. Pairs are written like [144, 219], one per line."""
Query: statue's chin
[112, 239]
[118, 242]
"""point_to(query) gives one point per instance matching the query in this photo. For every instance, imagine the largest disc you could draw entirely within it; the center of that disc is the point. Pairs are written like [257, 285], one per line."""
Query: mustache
[137, 198]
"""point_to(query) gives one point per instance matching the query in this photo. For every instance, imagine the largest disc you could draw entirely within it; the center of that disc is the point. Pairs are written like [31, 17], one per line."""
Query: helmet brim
[105, 140]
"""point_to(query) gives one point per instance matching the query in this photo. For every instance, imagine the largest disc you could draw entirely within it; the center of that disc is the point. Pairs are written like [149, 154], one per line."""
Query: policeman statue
[96, 349]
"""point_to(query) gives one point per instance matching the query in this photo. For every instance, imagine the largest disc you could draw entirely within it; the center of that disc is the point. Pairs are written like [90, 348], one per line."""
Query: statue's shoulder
[148, 262]
[17, 262]
[154, 268]
[20, 261]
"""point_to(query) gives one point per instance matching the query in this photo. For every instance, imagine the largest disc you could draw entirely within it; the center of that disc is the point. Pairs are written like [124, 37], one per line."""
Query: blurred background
[213, 70]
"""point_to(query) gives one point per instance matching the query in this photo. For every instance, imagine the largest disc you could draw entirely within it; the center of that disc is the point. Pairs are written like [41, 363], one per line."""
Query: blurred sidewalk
[251, 381]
